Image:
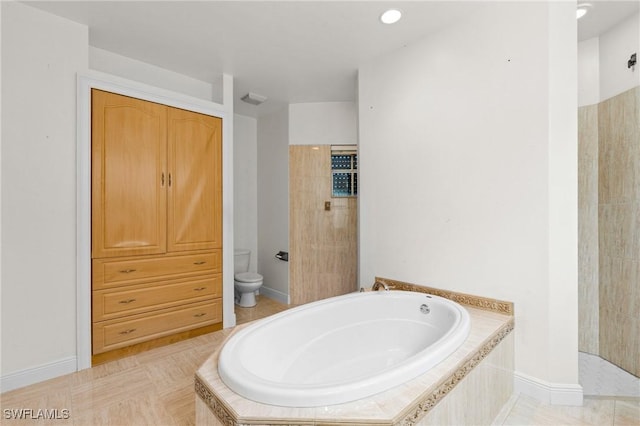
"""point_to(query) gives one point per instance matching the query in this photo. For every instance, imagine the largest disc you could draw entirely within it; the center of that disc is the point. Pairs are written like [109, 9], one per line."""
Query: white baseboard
[549, 393]
[275, 295]
[37, 374]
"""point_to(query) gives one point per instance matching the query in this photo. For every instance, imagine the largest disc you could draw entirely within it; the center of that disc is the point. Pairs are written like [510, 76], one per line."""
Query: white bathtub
[342, 349]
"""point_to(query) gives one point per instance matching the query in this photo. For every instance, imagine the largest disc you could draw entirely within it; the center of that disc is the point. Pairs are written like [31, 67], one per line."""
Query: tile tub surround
[414, 402]
[493, 305]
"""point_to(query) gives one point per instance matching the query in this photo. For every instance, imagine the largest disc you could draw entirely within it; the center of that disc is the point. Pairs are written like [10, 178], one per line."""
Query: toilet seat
[248, 277]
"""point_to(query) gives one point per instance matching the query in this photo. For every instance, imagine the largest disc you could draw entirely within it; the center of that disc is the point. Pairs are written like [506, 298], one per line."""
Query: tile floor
[523, 410]
[156, 388]
[264, 308]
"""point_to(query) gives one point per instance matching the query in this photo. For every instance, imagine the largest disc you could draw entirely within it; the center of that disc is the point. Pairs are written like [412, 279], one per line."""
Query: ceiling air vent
[253, 98]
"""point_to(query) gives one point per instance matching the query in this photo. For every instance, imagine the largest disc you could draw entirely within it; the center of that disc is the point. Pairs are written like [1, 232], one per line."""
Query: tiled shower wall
[588, 294]
[323, 246]
[618, 121]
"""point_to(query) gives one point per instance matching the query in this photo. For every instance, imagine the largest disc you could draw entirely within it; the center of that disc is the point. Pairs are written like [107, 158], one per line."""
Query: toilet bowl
[246, 283]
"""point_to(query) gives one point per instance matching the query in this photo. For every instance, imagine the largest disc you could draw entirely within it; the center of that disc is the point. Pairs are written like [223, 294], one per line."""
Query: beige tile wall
[322, 244]
[588, 293]
[495, 372]
[619, 229]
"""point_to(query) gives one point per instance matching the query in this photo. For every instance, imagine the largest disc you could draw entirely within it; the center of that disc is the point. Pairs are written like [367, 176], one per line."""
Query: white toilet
[246, 283]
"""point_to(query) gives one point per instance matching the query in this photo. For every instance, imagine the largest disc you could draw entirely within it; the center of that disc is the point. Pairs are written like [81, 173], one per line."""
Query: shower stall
[609, 229]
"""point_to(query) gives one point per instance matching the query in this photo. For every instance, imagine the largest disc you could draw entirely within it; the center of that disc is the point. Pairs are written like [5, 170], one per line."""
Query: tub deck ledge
[453, 392]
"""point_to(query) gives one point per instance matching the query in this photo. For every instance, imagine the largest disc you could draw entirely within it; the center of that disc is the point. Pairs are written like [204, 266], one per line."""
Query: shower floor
[600, 377]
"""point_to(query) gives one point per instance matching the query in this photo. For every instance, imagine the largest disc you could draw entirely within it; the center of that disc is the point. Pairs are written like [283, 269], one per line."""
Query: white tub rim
[330, 393]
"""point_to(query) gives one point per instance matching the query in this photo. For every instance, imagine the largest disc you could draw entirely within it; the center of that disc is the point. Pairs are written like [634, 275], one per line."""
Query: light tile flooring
[150, 388]
[156, 388]
[265, 307]
[597, 411]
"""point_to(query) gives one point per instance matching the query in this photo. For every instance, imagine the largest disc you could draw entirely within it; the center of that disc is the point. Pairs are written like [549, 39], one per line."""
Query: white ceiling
[603, 15]
[289, 51]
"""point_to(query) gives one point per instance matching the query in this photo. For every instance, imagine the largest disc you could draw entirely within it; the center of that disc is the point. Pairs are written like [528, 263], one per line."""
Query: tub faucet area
[379, 284]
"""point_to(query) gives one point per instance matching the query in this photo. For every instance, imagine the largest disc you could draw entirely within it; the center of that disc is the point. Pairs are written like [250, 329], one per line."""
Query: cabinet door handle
[200, 315]
[126, 302]
[127, 271]
[169, 179]
[131, 330]
[199, 289]
[162, 180]
[200, 262]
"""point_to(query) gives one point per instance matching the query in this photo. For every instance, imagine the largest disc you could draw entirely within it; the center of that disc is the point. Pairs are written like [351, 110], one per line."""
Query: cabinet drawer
[121, 301]
[113, 273]
[114, 334]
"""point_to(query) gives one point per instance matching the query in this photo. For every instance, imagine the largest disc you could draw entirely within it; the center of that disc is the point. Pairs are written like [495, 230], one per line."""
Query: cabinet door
[194, 211]
[128, 183]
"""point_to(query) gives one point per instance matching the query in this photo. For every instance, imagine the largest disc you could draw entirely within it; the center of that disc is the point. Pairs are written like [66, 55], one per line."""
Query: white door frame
[97, 80]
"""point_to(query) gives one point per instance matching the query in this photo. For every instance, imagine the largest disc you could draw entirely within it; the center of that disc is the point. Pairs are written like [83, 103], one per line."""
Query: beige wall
[245, 186]
[132, 69]
[615, 47]
[609, 244]
[619, 229]
[323, 252]
[41, 55]
[273, 202]
[588, 290]
[471, 172]
[606, 284]
[323, 123]
[323, 245]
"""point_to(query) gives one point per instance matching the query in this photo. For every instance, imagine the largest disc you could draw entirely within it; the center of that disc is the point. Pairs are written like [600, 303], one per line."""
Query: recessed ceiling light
[391, 16]
[582, 9]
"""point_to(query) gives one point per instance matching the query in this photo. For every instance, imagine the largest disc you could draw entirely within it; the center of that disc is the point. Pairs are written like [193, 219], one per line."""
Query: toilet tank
[241, 260]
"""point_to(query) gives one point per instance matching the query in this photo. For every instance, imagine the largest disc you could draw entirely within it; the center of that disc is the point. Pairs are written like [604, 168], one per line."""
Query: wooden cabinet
[156, 178]
[128, 182]
[110, 335]
[118, 302]
[195, 182]
[116, 272]
[140, 298]
[156, 221]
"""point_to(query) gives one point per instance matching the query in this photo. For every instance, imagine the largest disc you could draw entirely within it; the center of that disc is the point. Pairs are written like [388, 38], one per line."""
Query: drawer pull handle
[199, 289]
[127, 271]
[200, 262]
[200, 315]
[131, 330]
[126, 302]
